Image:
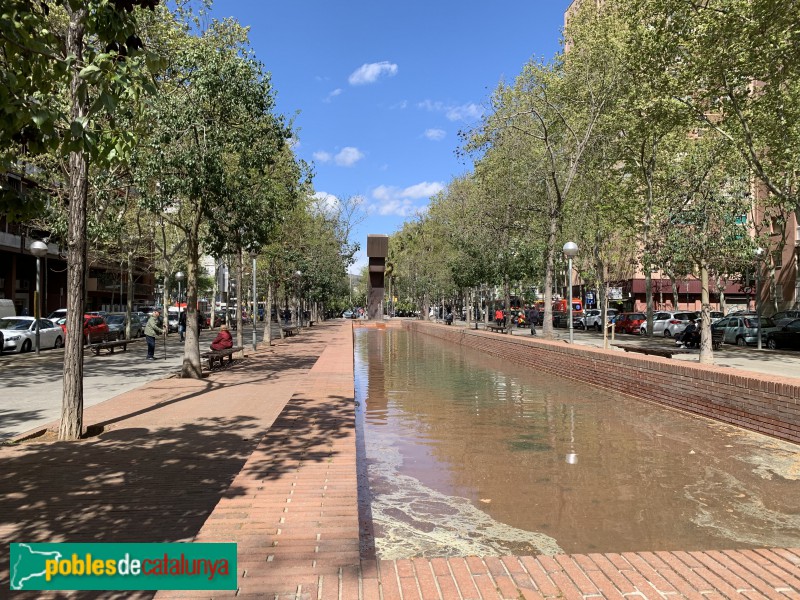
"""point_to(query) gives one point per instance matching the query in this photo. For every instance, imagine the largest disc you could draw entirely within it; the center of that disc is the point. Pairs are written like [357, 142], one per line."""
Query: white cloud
[463, 112]
[400, 201]
[333, 94]
[348, 156]
[435, 134]
[293, 142]
[370, 72]
[322, 156]
[326, 203]
[402, 105]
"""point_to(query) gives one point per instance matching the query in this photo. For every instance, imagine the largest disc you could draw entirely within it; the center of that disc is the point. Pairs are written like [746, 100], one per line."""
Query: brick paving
[264, 454]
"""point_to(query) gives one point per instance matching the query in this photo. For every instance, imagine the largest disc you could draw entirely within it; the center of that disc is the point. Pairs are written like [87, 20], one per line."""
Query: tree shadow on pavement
[128, 485]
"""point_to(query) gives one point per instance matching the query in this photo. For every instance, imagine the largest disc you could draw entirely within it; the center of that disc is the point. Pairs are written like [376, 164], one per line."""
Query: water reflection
[468, 454]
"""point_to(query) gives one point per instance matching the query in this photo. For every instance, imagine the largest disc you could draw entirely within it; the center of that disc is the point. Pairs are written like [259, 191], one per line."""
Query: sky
[379, 90]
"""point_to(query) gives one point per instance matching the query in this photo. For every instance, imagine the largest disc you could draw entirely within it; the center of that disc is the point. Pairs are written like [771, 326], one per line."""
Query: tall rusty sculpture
[377, 251]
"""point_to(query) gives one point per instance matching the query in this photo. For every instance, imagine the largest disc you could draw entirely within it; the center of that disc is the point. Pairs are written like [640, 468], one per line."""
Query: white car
[668, 324]
[592, 317]
[19, 334]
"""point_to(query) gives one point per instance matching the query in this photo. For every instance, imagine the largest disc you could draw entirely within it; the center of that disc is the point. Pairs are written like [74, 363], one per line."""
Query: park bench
[290, 331]
[110, 342]
[650, 350]
[219, 355]
[497, 328]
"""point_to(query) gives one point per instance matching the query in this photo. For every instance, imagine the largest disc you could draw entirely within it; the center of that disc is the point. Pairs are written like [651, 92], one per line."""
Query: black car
[787, 336]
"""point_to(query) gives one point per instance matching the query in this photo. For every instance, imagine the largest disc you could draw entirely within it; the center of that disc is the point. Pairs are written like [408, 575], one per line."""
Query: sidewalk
[264, 454]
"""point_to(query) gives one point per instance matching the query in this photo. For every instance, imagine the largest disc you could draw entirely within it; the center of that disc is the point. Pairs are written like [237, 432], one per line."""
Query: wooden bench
[110, 342]
[497, 328]
[290, 331]
[665, 352]
[219, 355]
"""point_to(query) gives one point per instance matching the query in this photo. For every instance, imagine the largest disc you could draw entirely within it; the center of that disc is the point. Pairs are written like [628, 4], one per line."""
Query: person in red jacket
[223, 340]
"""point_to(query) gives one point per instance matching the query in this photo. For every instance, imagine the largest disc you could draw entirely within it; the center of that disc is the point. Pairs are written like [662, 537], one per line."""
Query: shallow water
[467, 454]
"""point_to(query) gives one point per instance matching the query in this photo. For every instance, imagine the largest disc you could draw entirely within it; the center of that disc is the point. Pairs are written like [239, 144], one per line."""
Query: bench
[219, 355]
[290, 331]
[110, 342]
[311, 323]
[665, 352]
[497, 328]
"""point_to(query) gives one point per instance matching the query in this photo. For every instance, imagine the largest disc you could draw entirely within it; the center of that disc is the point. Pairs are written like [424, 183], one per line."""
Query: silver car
[19, 334]
[668, 324]
[117, 323]
[742, 329]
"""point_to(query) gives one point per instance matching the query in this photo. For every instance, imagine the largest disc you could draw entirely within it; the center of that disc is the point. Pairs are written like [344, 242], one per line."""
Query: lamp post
[570, 250]
[758, 253]
[179, 276]
[38, 249]
[253, 255]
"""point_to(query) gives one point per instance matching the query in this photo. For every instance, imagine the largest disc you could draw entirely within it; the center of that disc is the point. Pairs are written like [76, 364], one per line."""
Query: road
[31, 386]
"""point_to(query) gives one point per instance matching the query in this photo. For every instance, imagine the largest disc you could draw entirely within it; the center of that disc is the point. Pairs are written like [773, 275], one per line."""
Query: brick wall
[768, 405]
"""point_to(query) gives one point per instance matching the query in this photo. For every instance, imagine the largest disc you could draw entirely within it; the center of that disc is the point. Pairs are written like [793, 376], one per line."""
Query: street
[31, 386]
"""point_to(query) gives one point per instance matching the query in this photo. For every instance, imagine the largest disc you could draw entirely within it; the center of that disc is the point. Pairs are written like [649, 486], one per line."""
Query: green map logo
[123, 566]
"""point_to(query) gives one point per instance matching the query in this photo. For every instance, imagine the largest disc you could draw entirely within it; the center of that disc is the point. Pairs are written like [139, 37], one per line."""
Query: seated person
[223, 339]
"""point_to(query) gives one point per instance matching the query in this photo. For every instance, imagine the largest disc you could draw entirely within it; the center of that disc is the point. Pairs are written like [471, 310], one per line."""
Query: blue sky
[379, 90]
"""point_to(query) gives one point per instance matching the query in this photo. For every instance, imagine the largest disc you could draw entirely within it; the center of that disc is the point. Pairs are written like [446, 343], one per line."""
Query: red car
[94, 327]
[629, 322]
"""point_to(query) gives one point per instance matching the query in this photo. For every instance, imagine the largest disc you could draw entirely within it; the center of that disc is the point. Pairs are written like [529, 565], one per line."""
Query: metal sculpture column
[377, 251]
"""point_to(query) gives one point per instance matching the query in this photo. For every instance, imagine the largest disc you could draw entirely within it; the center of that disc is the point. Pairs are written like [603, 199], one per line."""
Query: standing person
[151, 330]
[498, 316]
[182, 325]
[534, 318]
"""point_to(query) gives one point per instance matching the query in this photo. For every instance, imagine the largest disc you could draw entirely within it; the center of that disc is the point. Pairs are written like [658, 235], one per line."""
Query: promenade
[264, 454]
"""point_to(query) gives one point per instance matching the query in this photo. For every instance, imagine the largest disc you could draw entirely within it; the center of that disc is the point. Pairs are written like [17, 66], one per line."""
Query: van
[7, 308]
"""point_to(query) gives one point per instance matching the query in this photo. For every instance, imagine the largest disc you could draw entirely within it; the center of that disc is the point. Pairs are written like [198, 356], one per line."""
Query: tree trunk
[648, 291]
[676, 294]
[214, 292]
[268, 313]
[552, 234]
[191, 367]
[706, 349]
[239, 297]
[129, 304]
[71, 427]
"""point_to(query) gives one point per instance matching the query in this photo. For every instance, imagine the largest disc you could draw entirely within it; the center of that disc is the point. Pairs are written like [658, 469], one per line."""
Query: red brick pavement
[232, 458]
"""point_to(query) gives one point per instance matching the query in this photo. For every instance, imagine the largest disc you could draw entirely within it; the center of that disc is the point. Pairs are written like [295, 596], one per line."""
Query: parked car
[742, 329]
[593, 318]
[57, 314]
[668, 324]
[629, 322]
[784, 317]
[348, 314]
[172, 322]
[19, 334]
[117, 323]
[787, 336]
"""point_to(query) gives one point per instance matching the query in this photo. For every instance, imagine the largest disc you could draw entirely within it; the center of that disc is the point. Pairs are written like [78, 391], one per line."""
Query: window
[777, 258]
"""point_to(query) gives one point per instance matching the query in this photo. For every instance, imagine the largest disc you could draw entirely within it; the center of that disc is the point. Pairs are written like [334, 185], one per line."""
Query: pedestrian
[151, 330]
[498, 317]
[223, 340]
[182, 325]
[534, 319]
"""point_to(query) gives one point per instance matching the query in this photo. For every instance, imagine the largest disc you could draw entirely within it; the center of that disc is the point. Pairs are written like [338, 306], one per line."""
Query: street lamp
[38, 249]
[570, 250]
[758, 253]
[253, 255]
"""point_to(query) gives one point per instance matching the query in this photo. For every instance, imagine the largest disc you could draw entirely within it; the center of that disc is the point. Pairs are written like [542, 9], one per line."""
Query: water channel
[467, 454]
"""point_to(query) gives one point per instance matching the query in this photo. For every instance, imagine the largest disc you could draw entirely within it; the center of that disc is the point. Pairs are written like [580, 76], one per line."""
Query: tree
[67, 65]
